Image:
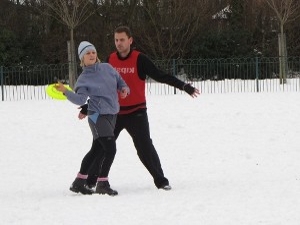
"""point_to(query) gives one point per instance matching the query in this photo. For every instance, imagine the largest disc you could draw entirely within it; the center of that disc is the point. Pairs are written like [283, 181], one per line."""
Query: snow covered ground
[232, 159]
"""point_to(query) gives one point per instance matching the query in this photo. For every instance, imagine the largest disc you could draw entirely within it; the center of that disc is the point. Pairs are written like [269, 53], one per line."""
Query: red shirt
[129, 72]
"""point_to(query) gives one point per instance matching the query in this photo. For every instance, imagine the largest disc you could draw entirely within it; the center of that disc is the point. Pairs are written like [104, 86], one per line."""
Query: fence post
[174, 72]
[257, 73]
[1, 83]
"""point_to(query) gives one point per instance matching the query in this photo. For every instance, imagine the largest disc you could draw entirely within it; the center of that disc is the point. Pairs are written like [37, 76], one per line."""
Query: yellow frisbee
[55, 94]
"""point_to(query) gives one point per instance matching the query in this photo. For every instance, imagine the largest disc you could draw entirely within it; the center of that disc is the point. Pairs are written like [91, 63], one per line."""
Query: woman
[101, 84]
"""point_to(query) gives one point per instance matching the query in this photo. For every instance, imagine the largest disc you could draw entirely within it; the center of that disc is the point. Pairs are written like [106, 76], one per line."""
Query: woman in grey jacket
[101, 84]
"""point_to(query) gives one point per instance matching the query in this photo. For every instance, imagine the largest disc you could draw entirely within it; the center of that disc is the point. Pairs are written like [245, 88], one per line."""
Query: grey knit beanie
[84, 47]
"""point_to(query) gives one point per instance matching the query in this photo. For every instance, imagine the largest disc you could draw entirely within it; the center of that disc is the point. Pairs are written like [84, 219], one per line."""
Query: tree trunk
[282, 56]
[72, 60]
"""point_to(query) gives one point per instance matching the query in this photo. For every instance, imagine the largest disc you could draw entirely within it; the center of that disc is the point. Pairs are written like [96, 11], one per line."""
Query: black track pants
[137, 126]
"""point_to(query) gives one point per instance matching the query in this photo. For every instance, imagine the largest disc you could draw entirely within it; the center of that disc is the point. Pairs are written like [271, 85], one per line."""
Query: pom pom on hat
[84, 47]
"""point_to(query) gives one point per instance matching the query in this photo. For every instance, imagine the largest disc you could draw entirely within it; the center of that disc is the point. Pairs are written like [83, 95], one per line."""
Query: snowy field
[232, 159]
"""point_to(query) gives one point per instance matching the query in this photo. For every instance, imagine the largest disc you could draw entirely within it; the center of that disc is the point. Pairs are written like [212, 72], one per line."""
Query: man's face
[122, 42]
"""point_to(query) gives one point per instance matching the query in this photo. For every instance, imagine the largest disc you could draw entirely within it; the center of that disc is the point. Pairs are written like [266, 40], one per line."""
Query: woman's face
[90, 58]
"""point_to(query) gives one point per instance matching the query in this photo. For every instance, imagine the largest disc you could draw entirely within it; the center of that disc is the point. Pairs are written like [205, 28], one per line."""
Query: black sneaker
[91, 181]
[103, 187]
[166, 187]
[79, 186]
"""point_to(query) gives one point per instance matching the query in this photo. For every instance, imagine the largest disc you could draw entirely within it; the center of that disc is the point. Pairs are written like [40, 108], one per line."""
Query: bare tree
[168, 26]
[71, 13]
[285, 11]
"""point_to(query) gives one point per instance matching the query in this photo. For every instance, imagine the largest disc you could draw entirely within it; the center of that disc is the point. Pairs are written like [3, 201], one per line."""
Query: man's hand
[194, 92]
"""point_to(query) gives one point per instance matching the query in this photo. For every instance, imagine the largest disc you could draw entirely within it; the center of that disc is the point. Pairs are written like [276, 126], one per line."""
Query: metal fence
[209, 75]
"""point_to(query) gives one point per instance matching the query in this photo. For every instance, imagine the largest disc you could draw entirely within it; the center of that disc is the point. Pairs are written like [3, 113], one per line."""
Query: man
[134, 66]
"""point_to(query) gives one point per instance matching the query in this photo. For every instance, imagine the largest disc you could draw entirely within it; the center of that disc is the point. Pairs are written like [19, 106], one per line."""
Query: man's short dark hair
[124, 29]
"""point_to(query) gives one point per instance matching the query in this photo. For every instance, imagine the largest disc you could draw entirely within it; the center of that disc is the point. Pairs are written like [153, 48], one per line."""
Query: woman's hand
[124, 92]
[60, 87]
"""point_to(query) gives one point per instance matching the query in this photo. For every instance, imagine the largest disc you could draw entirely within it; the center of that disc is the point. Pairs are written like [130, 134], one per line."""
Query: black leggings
[137, 125]
[102, 153]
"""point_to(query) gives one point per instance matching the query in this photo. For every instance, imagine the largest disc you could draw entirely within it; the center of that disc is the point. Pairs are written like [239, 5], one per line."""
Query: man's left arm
[147, 68]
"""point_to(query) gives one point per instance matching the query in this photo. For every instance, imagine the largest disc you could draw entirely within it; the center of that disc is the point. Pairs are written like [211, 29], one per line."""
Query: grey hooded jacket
[100, 83]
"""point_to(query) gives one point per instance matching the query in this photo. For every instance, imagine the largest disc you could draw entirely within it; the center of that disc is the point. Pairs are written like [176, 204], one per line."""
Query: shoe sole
[166, 188]
[106, 194]
[82, 192]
